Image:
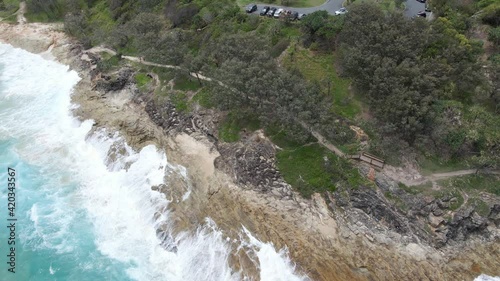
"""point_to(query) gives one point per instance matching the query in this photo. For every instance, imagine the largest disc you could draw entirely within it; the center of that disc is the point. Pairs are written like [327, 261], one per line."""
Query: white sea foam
[484, 277]
[274, 266]
[113, 189]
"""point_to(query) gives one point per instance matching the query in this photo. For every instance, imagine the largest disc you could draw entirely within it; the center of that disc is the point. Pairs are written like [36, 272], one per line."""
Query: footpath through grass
[432, 165]
[310, 168]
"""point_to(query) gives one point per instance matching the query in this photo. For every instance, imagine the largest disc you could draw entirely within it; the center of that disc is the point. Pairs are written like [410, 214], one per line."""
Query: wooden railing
[368, 158]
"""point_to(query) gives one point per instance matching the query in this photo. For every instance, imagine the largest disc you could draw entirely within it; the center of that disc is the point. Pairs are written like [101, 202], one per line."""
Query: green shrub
[279, 47]
[491, 14]
[494, 36]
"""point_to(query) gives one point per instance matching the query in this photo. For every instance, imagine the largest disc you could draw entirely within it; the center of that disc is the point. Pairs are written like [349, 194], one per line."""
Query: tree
[405, 66]
[193, 65]
[53, 9]
[321, 28]
[179, 13]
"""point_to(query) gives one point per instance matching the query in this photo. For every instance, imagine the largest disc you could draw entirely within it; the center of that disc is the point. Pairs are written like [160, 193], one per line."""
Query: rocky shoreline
[348, 235]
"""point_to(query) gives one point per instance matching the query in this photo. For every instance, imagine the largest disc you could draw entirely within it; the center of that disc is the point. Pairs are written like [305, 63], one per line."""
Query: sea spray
[88, 210]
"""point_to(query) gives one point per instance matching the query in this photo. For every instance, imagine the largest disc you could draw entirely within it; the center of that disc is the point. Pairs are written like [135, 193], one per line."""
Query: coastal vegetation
[428, 91]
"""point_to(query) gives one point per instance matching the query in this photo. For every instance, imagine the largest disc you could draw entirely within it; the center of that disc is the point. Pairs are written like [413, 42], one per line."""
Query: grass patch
[282, 139]
[474, 183]
[386, 5]
[289, 3]
[184, 83]
[179, 99]
[204, 98]
[312, 168]
[320, 68]
[107, 64]
[416, 189]
[304, 169]
[480, 206]
[234, 123]
[431, 165]
[142, 79]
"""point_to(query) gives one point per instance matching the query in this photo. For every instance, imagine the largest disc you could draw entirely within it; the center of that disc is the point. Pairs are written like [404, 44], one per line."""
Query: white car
[278, 13]
[341, 11]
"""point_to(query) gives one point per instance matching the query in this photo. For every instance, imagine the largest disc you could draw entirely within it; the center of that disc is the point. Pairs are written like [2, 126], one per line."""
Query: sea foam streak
[93, 211]
[484, 277]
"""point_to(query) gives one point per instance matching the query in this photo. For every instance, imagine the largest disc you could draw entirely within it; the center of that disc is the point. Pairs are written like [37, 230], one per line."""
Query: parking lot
[412, 8]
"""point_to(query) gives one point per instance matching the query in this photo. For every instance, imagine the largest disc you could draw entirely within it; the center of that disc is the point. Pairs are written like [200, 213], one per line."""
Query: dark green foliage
[495, 81]
[494, 36]
[186, 83]
[179, 13]
[106, 65]
[279, 47]
[404, 66]
[49, 10]
[322, 29]
[76, 25]
[491, 14]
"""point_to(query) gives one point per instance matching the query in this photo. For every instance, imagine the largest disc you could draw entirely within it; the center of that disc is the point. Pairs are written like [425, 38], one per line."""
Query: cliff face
[369, 233]
[381, 233]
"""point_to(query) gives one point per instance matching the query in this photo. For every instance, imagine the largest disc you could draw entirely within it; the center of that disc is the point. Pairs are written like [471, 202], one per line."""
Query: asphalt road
[330, 6]
[412, 7]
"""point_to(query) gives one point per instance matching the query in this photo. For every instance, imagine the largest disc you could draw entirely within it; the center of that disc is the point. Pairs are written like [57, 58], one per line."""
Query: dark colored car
[264, 10]
[294, 16]
[251, 8]
[271, 12]
[422, 14]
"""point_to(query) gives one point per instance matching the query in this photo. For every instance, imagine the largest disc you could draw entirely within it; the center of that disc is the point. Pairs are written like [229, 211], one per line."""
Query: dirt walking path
[409, 178]
[100, 49]
[20, 13]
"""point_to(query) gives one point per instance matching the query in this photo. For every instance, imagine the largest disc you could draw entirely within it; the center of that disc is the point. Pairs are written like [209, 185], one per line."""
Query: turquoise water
[55, 237]
[47, 247]
[82, 215]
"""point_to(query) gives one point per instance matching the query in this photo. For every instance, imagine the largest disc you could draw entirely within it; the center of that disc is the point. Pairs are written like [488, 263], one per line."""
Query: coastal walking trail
[399, 175]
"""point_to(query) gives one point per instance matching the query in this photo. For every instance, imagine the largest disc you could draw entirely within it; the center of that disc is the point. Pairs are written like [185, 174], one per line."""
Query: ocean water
[82, 215]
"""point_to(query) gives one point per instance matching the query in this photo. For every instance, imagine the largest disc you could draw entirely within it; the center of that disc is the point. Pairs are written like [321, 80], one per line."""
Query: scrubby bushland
[421, 80]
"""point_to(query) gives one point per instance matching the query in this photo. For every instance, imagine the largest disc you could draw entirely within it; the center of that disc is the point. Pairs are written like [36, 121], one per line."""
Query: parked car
[301, 16]
[251, 8]
[264, 10]
[341, 11]
[294, 16]
[271, 12]
[277, 14]
[422, 14]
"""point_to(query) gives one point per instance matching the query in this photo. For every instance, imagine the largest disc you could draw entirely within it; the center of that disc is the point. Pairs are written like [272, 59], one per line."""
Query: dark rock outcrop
[252, 163]
[422, 218]
[115, 81]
